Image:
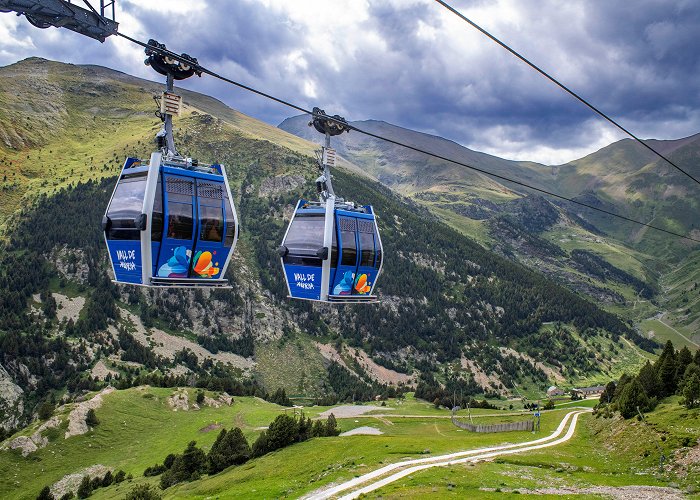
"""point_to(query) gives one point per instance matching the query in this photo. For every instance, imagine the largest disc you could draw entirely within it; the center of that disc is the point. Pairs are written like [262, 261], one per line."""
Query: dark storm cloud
[414, 64]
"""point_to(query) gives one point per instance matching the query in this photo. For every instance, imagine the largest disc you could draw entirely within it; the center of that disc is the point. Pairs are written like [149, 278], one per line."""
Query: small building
[585, 392]
[554, 391]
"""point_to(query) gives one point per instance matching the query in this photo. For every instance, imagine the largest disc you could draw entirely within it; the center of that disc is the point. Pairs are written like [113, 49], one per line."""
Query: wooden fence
[523, 425]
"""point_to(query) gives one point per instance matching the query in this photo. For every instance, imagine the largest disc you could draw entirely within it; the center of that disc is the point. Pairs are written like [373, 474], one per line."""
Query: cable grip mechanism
[331, 125]
[181, 67]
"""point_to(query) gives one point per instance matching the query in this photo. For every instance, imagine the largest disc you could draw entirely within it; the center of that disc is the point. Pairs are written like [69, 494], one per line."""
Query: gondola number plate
[171, 104]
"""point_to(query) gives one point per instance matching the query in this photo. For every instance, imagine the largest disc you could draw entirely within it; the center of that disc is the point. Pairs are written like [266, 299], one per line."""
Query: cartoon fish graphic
[362, 286]
[203, 265]
[176, 266]
[344, 286]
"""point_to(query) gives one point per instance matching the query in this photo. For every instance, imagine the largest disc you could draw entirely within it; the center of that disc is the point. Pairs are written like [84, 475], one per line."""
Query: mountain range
[487, 289]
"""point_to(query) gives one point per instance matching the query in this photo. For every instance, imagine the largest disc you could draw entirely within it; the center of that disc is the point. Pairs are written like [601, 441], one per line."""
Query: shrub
[45, 494]
[143, 492]
[85, 488]
[91, 418]
[46, 411]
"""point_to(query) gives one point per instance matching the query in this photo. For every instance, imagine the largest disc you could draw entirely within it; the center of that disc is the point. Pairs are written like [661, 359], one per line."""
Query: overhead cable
[564, 87]
[201, 68]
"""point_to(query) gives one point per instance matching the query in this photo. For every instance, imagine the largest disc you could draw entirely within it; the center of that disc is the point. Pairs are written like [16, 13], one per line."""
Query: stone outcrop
[77, 417]
[11, 401]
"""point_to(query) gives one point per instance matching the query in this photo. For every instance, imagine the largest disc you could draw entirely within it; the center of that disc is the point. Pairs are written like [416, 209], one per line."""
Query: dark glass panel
[179, 221]
[211, 223]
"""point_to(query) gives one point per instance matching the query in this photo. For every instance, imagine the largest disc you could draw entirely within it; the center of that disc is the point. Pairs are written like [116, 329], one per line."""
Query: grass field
[603, 452]
[663, 333]
[138, 429]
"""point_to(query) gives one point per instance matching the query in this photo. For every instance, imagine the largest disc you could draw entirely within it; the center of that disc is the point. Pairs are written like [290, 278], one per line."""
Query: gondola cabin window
[347, 236]
[230, 224]
[180, 223]
[304, 239]
[126, 207]
[211, 223]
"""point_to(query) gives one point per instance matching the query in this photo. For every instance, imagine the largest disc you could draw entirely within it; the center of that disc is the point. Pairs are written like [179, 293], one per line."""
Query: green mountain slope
[617, 263]
[453, 316]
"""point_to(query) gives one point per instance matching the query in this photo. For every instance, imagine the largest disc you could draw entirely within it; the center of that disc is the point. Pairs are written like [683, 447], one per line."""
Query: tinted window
[334, 250]
[305, 235]
[127, 201]
[123, 234]
[366, 249]
[230, 223]
[157, 217]
[378, 262]
[179, 221]
[211, 223]
[349, 248]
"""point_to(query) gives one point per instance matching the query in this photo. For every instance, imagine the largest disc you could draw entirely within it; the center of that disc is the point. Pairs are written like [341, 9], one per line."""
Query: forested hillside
[452, 313]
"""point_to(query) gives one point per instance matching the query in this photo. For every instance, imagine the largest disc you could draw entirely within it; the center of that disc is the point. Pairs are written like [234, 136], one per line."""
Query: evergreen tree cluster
[346, 387]
[457, 391]
[674, 372]
[232, 448]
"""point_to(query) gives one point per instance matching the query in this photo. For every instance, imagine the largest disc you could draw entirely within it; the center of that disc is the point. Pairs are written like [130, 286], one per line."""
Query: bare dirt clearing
[350, 411]
[363, 431]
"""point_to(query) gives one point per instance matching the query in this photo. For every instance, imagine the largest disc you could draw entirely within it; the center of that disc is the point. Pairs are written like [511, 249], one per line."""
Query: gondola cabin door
[359, 258]
[199, 226]
[179, 224]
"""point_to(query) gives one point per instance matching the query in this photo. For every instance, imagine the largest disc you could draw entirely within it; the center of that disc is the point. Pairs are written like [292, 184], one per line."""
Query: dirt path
[661, 320]
[377, 480]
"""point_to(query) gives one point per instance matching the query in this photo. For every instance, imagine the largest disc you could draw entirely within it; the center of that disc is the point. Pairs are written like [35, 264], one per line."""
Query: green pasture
[602, 452]
[138, 428]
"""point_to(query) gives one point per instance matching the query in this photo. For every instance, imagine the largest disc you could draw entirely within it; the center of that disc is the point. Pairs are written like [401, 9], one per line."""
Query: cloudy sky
[414, 64]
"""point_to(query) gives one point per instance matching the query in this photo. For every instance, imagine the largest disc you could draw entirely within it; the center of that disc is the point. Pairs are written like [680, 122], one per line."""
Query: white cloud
[412, 63]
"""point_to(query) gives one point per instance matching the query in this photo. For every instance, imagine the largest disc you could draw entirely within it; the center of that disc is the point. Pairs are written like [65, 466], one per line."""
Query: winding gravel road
[377, 480]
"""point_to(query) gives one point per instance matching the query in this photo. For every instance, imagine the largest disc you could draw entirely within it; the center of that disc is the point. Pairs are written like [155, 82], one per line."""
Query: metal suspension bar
[104, 5]
[63, 14]
[328, 126]
[169, 139]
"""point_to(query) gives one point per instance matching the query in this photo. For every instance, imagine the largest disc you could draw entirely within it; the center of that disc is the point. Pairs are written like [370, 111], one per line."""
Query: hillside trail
[377, 480]
[661, 320]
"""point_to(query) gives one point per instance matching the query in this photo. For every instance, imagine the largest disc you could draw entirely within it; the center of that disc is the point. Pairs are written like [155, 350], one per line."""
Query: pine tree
[317, 429]
[608, 393]
[85, 488]
[282, 432]
[304, 428]
[217, 458]
[691, 391]
[261, 445]
[45, 494]
[91, 418]
[119, 476]
[666, 370]
[648, 378]
[683, 359]
[108, 479]
[632, 397]
[230, 448]
[238, 446]
[186, 467]
[331, 426]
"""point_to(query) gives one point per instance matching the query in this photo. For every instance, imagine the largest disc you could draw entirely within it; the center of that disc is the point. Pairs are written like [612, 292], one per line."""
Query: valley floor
[138, 428]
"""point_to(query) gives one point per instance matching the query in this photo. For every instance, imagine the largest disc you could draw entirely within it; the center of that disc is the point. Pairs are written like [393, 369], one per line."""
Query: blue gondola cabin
[171, 223]
[332, 252]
